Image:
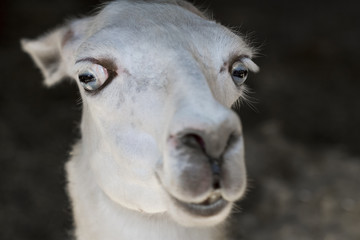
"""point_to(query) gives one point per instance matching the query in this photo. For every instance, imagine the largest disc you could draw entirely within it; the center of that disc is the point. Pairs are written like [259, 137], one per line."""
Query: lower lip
[202, 210]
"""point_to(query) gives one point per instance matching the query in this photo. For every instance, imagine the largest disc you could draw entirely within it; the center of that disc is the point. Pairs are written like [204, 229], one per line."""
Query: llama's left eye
[239, 73]
[93, 78]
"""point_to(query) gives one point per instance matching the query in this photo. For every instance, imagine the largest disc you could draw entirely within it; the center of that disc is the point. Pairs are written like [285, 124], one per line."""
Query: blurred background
[302, 133]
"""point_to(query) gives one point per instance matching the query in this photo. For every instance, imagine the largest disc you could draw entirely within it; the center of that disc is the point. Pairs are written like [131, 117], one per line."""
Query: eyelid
[107, 63]
[110, 66]
[246, 60]
[250, 64]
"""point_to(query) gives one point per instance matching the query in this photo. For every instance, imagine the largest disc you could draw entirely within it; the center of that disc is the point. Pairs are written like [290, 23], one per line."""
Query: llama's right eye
[93, 78]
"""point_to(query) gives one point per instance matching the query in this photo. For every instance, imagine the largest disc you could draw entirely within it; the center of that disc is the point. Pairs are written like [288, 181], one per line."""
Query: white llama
[161, 154]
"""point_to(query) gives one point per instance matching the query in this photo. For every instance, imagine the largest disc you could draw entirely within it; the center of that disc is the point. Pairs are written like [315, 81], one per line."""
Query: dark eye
[93, 78]
[239, 73]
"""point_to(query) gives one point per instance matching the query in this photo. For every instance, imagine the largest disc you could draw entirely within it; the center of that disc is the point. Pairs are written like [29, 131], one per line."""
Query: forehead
[132, 26]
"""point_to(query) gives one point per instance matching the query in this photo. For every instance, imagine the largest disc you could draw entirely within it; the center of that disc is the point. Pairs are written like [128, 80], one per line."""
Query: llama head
[157, 83]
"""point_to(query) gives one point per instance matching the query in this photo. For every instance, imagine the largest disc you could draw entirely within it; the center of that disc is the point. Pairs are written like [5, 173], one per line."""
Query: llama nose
[209, 144]
[213, 145]
[200, 150]
[211, 139]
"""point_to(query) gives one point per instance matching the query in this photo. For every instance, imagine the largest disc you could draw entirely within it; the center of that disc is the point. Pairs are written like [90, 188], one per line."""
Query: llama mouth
[210, 207]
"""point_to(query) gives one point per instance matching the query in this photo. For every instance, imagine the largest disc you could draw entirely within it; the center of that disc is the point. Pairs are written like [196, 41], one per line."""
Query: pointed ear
[47, 51]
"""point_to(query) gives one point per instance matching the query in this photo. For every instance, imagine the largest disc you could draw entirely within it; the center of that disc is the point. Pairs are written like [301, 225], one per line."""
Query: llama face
[157, 90]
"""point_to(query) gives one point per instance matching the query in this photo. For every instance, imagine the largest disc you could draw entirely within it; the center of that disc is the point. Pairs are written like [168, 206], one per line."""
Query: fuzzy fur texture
[153, 136]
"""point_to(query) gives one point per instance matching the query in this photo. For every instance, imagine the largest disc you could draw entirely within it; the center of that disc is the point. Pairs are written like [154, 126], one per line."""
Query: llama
[161, 153]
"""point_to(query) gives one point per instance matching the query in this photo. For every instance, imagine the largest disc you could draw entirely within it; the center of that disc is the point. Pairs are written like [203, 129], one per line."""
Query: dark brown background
[302, 140]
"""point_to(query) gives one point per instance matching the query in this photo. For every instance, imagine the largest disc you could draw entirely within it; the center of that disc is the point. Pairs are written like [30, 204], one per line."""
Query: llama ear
[49, 51]
[45, 51]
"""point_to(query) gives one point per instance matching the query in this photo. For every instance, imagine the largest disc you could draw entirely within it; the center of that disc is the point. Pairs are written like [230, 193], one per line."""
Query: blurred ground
[302, 142]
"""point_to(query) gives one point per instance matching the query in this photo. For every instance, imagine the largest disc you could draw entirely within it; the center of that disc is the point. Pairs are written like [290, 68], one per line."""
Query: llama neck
[98, 217]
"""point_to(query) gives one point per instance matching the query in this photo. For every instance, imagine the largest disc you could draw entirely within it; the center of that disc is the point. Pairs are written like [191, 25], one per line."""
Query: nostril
[194, 141]
[233, 139]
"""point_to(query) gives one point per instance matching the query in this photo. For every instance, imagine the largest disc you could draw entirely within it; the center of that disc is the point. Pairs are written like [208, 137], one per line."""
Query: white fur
[126, 166]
